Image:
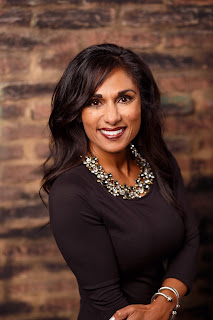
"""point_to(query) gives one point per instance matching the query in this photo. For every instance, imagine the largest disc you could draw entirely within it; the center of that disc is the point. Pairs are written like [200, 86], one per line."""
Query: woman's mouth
[112, 134]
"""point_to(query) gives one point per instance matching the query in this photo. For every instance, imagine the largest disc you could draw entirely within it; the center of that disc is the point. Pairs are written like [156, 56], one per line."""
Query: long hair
[78, 83]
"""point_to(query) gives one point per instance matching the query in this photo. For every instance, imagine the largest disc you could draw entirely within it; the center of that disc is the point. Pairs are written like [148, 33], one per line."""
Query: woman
[116, 196]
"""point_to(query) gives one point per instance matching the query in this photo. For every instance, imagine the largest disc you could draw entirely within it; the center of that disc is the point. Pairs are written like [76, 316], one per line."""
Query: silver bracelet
[175, 292]
[168, 298]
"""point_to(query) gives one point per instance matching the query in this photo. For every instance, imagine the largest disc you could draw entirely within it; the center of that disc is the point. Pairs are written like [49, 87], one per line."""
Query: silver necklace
[142, 183]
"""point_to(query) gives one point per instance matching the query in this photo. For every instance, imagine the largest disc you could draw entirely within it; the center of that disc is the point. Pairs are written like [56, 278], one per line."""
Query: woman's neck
[120, 162]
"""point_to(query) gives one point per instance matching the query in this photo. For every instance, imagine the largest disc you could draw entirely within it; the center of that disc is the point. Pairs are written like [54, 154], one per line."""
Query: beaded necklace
[142, 183]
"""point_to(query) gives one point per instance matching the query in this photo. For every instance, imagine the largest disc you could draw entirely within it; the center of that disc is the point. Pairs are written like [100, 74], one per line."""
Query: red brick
[204, 101]
[59, 285]
[133, 39]
[8, 193]
[9, 41]
[20, 173]
[42, 150]
[179, 144]
[11, 152]
[204, 142]
[10, 111]
[41, 111]
[184, 163]
[191, 2]
[28, 3]
[26, 250]
[188, 124]
[178, 17]
[191, 40]
[25, 91]
[177, 104]
[21, 131]
[10, 64]
[15, 16]
[184, 83]
[60, 304]
[75, 18]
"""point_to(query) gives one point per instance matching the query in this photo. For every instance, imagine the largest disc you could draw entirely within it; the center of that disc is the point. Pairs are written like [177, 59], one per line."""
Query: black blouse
[120, 250]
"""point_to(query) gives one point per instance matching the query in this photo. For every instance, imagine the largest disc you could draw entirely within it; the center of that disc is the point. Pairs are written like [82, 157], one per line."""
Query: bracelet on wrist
[169, 299]
[175, 292]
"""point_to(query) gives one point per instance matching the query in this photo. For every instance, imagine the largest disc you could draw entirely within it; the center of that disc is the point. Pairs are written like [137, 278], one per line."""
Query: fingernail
[112, 318]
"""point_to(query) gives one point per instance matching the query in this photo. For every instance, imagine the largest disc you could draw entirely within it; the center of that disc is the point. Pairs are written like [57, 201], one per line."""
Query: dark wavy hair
[78, 83]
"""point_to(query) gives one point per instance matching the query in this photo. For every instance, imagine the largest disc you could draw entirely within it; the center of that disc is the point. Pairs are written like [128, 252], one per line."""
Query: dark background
[37, 40]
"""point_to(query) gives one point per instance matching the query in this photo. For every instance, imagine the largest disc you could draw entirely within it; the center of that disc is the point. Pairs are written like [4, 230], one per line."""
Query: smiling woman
[117, 202]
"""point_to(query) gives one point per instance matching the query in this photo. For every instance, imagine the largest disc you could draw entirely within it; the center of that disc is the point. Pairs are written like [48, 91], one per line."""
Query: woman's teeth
[113, 132]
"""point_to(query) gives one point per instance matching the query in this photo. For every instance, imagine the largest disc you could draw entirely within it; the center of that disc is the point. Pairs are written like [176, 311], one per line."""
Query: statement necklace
[142, 183]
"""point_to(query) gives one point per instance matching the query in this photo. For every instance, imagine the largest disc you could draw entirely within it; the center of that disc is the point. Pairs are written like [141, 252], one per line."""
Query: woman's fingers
[128, 311]
[122, 313]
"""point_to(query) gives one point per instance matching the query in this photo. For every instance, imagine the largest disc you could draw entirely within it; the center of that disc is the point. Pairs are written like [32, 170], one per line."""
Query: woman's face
[112, 117]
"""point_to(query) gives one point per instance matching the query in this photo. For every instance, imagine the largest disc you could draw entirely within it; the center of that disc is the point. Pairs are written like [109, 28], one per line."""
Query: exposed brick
[56, 60]
[23, 91]
[133, 39]
[175, 104]
[184, 83]
[204, 101]
[61, 285]
[29, 233]
[8, 193]
[11, 111]
[42, 150]
[168, 61]
[55, 267]
[179, 144]
[189, 39]
[36, 211]
[189, 124]
[39, 2]
[20, 173]
[16, 41]
[8, 271]
[35, 248]
[22, 131]
[126, 1]
[59, 304]
[180, 17]
[15, 308]
[11, 64]
[205, 142]
[11, 152]
[191, 2]
[74, 19]
[15, 16]
[41, 111]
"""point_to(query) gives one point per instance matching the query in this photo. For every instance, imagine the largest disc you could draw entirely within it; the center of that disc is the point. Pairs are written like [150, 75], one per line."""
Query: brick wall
[37, 39]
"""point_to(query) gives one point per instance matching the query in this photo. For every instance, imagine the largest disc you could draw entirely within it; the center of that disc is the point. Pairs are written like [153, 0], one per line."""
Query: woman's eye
[93, 102]
[125, 99]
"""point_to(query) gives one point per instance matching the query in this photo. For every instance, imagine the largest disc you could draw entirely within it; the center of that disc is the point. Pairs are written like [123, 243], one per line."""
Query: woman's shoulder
[74, 180]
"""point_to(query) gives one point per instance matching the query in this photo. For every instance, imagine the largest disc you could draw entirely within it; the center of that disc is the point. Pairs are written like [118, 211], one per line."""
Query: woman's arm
[85, 244]
[181, 267]
[183, 264]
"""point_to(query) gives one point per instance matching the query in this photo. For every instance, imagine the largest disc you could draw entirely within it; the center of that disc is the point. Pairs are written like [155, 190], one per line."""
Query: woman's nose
[112, 114]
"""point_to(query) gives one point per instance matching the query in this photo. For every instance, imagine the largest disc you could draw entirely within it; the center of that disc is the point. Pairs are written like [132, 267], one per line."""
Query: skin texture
[108, 109]
[160, 309]
[114, 111]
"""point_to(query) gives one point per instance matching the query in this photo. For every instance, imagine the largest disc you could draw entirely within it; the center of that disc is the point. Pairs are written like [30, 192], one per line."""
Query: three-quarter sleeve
[85, 244]
[183, 264]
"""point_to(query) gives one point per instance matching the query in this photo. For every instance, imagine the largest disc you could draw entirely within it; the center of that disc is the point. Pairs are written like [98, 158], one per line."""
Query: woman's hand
[160, 309]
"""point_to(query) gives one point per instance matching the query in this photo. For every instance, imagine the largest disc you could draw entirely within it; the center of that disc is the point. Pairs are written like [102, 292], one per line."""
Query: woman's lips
[112, 134]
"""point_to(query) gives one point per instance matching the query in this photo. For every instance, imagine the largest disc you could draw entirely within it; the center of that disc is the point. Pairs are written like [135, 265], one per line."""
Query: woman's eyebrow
[120, 93]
